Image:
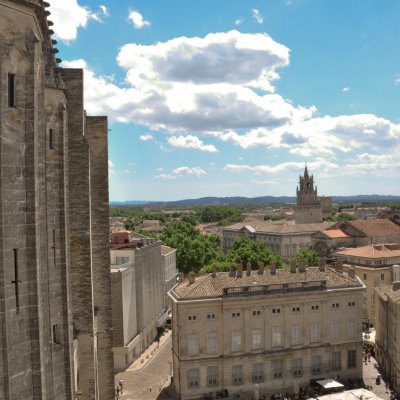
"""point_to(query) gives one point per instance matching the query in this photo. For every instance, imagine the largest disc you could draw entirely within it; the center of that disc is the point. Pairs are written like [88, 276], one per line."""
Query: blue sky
[228, 98]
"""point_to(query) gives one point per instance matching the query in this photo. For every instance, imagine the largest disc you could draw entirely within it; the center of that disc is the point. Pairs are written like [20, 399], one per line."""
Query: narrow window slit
[16, 280]
[11, 90]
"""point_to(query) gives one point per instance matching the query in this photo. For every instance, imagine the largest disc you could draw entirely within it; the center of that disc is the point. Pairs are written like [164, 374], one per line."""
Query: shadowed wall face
[55, 314]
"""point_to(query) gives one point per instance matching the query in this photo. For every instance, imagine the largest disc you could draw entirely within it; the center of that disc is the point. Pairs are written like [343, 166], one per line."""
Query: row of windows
[277, 337]
[258, 373]
[257, 313]
[365, 277]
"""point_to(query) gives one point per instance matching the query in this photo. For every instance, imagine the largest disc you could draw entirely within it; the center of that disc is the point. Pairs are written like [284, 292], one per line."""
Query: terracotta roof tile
[207, 286]
[372, 227]
[386, 291]
[372, 251]
[335, 233]
[278, 227]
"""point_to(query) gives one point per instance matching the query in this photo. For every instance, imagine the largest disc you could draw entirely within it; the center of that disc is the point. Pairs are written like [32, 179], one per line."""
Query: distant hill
[263, 200]
[130, 203]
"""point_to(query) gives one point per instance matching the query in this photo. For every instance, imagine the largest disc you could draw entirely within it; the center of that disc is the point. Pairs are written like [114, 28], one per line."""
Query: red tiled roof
[373, 227]
[372, 251]
[335, 233]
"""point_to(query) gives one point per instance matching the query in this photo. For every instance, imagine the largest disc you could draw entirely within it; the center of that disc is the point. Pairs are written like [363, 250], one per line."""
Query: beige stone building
[265, 331]
[170, 271]
[355, 233]
[55, 294]
[374, 266]
[286, 238]
[138, 298]
[387, 341]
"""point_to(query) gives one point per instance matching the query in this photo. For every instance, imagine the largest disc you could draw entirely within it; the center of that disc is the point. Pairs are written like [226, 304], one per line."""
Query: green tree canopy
[221, 214]
[342, 216]
[309, 256]
[193, 250]
[245, 250]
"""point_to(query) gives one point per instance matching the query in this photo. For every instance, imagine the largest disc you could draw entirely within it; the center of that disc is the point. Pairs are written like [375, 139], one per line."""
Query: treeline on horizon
[197, 251]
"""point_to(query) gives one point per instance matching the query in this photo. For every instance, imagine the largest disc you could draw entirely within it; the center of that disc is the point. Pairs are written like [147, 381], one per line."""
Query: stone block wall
[54, 263]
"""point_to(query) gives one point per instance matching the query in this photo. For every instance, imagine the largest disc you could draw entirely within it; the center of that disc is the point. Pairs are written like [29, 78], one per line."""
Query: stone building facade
[283, 238]
[55, 292]
[286, 238]
[374, 266]
[354, 234]
[138, 298]
[170, 271]
[387, 345]
[265, 331]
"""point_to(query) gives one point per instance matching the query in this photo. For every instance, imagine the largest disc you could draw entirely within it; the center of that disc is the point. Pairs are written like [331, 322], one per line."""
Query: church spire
[305, 169]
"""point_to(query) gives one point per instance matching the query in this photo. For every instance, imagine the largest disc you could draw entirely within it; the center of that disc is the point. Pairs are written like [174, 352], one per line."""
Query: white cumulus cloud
[183, 171]
[191, 142]
[68, 16]
[324, 135]
[137, 20]
[221, 86]
[104, 10]
[227, 57]
[257, 16]
[196, 84]
[320, 165]
[146, 137]
[188, 171]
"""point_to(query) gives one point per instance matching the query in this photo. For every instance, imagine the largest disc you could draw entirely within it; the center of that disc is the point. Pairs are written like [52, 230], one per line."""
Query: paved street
[370, 371]
[147, 382]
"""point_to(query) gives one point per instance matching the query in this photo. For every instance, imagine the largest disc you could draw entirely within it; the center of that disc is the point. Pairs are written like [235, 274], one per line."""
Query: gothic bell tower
[306, 192]
[308, 209]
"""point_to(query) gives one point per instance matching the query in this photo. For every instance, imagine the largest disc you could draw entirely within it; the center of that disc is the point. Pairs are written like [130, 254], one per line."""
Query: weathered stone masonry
[55, 303]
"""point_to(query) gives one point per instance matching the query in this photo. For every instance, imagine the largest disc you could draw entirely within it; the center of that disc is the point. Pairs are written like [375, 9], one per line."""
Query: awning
[329, 384]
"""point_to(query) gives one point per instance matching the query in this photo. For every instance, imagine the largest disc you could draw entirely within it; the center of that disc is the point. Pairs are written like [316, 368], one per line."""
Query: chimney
[339, 266]
[352, 273]
[302, 266]
[214, 271]
[192, 278]
[248, 269]
[322, 264]
[260, 267]
[232, 270]
[239, 271]
[293, 266]
[273, 267]
[395, 286]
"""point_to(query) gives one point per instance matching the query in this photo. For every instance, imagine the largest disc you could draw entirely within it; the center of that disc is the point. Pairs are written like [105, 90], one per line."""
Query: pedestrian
[369, 357]
[121, 385]
[365, 359]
